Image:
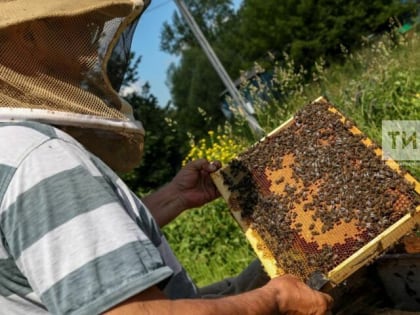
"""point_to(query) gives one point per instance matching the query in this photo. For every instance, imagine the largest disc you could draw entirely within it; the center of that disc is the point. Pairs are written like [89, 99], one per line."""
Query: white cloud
[135, 87]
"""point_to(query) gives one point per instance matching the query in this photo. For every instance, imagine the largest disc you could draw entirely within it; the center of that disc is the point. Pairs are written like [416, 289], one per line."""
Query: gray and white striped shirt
[74, 239]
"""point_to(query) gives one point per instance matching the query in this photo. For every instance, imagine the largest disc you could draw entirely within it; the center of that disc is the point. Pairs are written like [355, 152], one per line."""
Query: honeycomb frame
[359, 258]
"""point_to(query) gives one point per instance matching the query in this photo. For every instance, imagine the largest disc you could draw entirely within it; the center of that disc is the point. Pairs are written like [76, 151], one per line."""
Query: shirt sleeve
[70, 235]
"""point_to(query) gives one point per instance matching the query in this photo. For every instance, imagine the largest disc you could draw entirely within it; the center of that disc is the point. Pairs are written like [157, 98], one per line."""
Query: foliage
[309, 29]
[384, 86]
[209, 16]
[286, 90]
[216, 147]
[306, 30]
[193, 87]
[209, 243]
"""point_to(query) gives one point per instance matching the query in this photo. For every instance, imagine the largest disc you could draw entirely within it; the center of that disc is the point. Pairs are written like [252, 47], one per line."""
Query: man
[74, 238]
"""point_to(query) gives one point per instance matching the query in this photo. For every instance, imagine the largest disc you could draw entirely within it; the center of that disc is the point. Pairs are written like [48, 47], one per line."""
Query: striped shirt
[73, 238]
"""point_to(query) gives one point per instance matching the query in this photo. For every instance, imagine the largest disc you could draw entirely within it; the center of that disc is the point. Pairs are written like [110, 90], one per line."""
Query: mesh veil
[66, 69]
[121, 55]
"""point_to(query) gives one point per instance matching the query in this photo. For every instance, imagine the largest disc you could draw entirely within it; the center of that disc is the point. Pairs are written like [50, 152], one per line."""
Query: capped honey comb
[315, 196]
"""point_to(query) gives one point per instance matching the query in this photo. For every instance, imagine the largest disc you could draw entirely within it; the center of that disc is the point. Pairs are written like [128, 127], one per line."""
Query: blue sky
[146, 42]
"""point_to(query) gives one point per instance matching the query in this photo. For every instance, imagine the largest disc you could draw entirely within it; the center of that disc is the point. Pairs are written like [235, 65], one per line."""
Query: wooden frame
[358, 259]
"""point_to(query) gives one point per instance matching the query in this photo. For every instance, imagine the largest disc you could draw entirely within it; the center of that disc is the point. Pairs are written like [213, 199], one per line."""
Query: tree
[195, 85]
[309, 29]
[305, 29]
[209, 15]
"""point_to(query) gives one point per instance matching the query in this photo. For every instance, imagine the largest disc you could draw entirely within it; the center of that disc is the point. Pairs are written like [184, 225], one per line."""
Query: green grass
[209, 243]
[381, 81]
[378, 83]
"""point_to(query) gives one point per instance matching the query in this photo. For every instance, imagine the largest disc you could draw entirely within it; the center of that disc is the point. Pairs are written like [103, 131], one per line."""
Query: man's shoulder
[18, 139]
[30, 129]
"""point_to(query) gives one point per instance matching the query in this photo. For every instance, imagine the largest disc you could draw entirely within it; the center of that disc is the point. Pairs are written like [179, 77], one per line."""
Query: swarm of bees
[316, 192]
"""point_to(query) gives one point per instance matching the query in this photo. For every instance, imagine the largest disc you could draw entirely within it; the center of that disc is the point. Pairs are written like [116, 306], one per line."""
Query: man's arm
[251, 303]
[283, 295]
[191, 187]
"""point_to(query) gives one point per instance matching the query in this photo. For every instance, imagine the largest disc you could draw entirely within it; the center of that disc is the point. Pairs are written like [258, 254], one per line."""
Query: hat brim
[20, 11]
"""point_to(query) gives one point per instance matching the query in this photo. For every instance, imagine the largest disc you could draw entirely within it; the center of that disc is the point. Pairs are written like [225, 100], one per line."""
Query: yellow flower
[215, 147]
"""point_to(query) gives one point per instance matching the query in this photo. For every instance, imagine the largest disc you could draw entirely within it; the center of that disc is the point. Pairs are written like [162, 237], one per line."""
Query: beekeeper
[74, 238]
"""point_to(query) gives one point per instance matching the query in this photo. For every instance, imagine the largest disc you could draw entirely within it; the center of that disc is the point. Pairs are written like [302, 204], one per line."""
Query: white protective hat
[62, 63]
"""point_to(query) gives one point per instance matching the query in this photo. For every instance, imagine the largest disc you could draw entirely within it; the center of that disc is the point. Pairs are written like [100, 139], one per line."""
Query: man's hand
[194, 185]
[191, 187]
[295, 297]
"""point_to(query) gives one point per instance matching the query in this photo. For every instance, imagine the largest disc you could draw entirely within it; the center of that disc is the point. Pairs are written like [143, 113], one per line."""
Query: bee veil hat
[62, 63]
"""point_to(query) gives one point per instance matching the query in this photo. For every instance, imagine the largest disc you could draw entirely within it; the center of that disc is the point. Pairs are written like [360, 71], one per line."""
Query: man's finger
[329, 299]
[212, 166]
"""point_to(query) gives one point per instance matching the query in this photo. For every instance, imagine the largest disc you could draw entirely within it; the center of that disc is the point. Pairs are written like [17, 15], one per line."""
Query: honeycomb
[315, 196]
